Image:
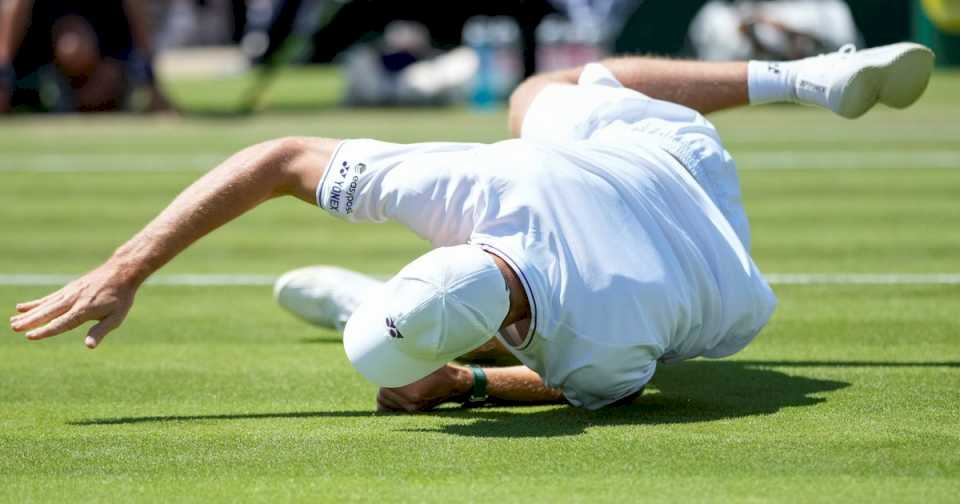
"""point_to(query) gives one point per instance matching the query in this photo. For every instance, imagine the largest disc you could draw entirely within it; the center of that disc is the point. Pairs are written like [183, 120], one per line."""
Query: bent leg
[847, 82]
[704, 87]
[324, 296]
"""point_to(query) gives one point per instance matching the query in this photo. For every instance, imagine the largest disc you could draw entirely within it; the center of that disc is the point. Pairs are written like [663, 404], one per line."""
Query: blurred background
[241, 56]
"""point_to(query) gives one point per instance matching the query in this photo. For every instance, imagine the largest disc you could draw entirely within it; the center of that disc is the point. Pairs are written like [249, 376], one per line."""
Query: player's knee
[523, 96]
[520, 101]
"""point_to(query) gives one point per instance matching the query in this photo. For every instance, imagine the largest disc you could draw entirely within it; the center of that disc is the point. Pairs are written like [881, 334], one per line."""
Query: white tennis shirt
[625, 259]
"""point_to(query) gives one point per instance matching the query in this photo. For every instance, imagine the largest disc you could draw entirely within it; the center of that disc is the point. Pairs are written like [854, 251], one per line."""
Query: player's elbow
[297, 164]
[283, 152]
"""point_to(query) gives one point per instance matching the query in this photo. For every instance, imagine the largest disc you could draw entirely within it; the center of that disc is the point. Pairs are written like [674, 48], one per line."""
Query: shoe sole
[898, 82]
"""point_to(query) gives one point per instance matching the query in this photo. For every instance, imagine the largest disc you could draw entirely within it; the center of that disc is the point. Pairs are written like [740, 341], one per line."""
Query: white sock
[770, 82]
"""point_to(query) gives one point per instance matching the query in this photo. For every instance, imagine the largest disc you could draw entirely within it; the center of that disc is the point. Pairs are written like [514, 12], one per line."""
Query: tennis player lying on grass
[609, 237]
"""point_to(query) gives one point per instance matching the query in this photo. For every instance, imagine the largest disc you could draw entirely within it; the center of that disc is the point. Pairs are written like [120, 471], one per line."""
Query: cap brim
[373, 353]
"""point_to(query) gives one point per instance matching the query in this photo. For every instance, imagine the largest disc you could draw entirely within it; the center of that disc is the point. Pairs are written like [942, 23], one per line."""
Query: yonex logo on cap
[392, 329]
[344, 169]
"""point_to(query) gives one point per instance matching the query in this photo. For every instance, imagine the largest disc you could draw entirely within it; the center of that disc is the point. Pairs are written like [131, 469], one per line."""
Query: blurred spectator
[77, 55]
[403, 68]
[198, 23]
[783, 30]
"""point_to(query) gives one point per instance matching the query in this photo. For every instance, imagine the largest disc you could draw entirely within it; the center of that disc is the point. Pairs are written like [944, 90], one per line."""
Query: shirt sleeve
[373, 181]
[357, 184]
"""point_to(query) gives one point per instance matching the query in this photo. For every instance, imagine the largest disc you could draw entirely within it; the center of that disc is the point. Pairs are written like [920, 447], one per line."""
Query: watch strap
[478, 393]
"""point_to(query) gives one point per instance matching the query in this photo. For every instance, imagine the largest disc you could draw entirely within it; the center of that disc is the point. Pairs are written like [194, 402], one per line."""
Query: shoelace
[844, 51]
[847, 49]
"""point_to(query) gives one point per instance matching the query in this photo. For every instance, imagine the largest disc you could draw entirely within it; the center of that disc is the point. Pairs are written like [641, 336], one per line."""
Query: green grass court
[211, 393]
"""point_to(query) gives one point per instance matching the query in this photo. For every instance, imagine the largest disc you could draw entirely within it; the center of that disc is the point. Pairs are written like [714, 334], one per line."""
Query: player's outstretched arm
[290, 166]
[513, 384]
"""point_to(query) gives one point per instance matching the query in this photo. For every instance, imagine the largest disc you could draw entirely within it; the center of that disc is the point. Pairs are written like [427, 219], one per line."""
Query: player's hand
[104, 295]
[443, 385]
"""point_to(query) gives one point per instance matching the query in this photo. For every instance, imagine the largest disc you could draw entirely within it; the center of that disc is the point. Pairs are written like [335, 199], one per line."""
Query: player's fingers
[387, 401]
[23, 308]
[29, 305]
[61, 324]
[100, 330]
[382, 406]
[399, 400]
[40, 315]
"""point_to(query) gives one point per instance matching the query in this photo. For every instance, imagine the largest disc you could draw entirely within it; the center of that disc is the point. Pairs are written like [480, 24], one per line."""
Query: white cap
[444, 304]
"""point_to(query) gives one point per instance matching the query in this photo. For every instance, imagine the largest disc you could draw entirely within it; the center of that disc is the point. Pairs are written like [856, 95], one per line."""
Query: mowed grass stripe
[214, 394]
[840, 395]
[808, 221]
[800, 159]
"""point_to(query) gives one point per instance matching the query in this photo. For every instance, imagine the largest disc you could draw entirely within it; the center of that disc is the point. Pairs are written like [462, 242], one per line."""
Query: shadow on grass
[689, 392]
[225, 416]
[846, 364]
[697, 391]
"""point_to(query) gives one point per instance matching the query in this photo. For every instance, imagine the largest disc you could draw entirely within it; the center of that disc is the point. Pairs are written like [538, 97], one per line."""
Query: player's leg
[847, 82]
[324, 296]
[704, 87]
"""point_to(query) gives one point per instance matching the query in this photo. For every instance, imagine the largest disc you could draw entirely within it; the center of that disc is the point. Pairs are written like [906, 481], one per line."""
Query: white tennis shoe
[324, 296]
[850, 82]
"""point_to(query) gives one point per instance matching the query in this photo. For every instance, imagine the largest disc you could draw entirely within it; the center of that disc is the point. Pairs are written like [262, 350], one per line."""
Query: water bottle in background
[477, 35]
[587, 43]
[507, 56]
[562, 44]
[551, 37]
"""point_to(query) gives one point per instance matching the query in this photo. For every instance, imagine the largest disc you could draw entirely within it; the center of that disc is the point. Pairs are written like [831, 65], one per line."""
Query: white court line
[212, 280]
[846, 160]
[69, 163]
[222, 280]
[746, 160]
[863, 278]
